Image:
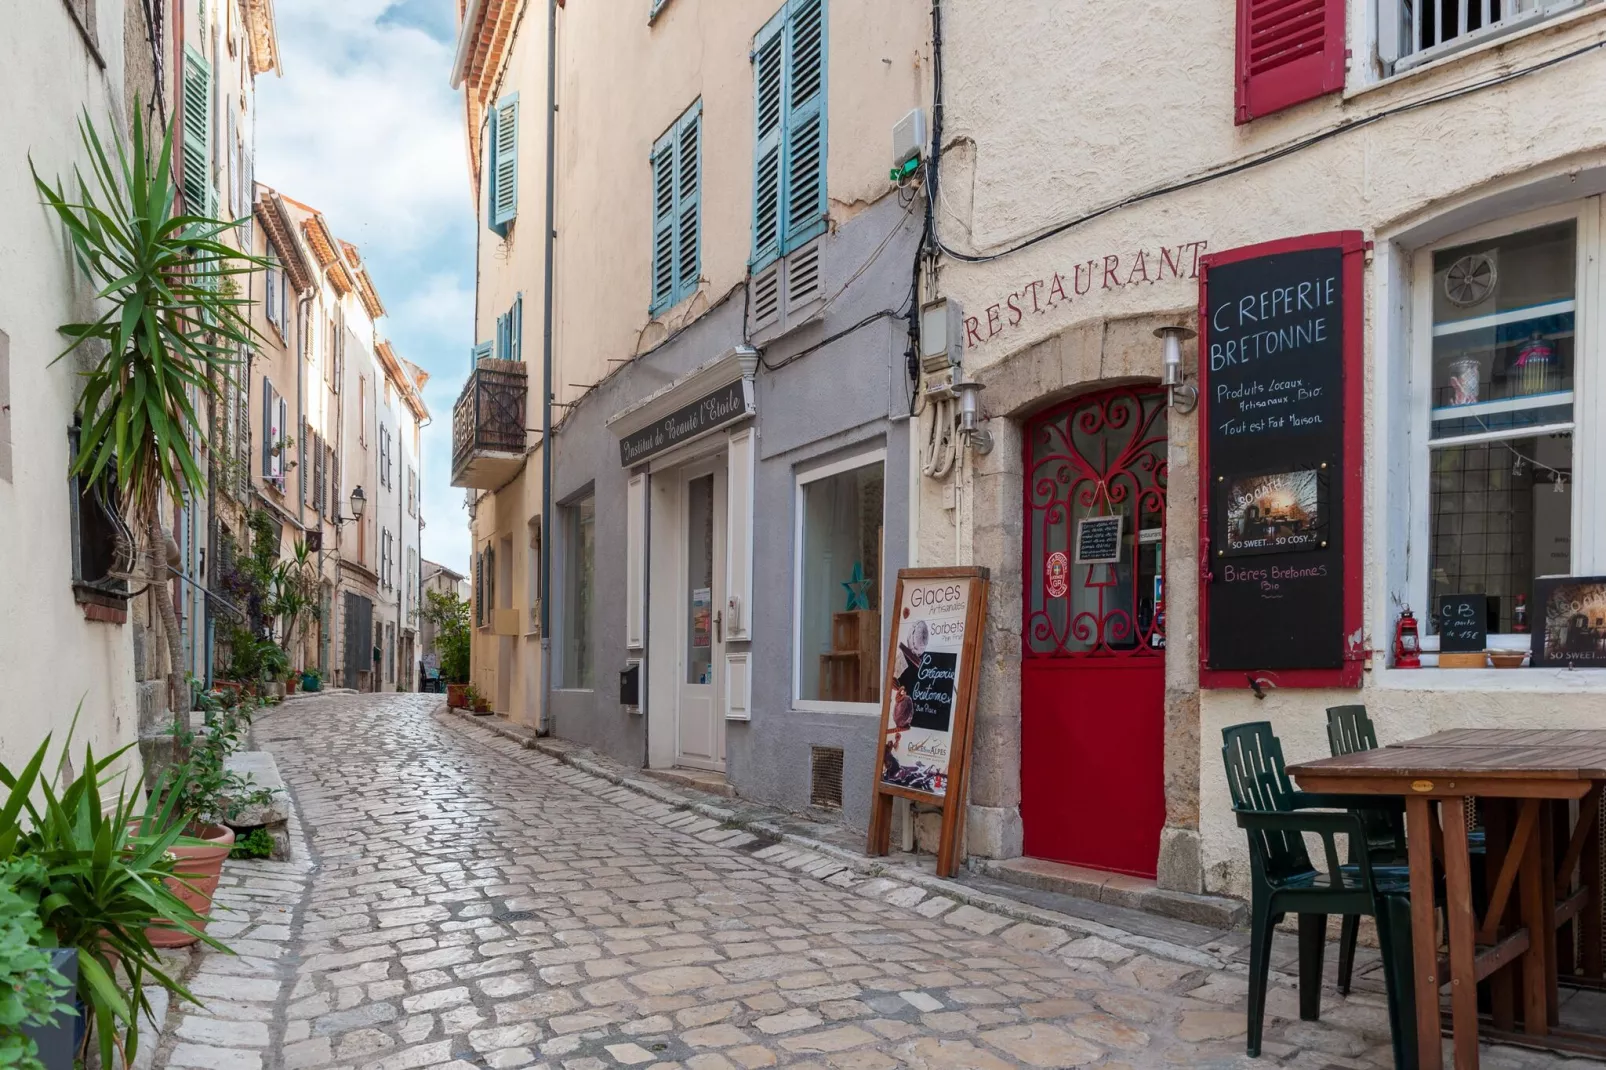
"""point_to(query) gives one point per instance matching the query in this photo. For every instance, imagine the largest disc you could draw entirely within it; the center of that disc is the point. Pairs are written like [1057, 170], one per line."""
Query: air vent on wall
[802, 278]
[825, 789]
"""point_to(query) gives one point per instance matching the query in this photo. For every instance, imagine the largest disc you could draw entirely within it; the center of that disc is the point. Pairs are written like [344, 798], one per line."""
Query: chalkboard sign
[1463, 623]
[1098, 540]
[1279, 345]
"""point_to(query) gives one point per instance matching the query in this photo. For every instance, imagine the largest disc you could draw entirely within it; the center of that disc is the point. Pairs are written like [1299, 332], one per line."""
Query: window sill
[846, 709]
[99, 605]
[1554, 23]
[1543, 680]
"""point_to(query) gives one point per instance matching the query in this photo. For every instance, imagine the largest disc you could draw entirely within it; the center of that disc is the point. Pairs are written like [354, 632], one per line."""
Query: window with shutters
[502, 164]
[335, 502]
[509, 333]
[789, 179]
[412, 491]
[579, 590]
[384, 456]
[270, 292]
[677, 208]
[1413, 32]
[197, 155]
[304, 473]
[1289, 51]
[270, 431]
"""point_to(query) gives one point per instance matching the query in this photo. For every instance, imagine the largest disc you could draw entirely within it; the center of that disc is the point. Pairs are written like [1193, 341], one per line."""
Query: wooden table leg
[1589, 927]
[1502, 983]
[1535, 1015]
[1462, 924]
[1424, 938]
[1567, 933]
[1547, 904]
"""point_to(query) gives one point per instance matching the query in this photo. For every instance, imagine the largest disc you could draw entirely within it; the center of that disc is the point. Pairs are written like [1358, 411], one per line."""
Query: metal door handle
[719, 636]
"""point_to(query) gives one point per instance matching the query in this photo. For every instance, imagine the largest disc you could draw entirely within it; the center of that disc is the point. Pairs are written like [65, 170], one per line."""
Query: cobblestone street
[468, 903]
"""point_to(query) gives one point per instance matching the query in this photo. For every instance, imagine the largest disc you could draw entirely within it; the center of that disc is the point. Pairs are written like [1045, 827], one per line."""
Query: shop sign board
[719, 407]
[927, 702]
[1572, 622]
[1280, 377]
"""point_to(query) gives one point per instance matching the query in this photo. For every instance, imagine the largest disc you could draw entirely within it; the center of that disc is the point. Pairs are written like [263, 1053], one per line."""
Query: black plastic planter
[58, 1042]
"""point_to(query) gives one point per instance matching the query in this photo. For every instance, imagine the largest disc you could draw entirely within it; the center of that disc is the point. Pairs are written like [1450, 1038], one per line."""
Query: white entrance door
[700, 733]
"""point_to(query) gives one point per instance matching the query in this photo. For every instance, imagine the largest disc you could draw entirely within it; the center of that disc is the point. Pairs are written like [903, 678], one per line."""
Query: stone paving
[458, 901]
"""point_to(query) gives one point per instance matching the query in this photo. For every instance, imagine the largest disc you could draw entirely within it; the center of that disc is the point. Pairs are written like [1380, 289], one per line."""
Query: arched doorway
[1093, 631]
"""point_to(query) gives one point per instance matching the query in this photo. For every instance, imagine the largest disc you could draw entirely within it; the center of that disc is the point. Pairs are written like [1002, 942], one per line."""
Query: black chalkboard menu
[1098, 540]
[1463, 623]
[1273, 353]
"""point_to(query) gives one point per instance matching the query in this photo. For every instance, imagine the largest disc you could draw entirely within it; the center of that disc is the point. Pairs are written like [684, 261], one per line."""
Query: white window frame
[1393, 37]
[1588, 481]
[803, 478]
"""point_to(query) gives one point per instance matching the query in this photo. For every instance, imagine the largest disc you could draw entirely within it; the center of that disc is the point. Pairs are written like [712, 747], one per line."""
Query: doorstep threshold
[704, 780]
[1113, 889]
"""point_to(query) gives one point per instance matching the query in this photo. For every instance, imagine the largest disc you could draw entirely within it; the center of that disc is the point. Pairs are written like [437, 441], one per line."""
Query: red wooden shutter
[1289, 51]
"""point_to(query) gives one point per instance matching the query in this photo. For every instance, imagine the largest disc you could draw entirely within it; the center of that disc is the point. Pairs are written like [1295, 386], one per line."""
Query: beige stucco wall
[1148, 102]
[55, 660]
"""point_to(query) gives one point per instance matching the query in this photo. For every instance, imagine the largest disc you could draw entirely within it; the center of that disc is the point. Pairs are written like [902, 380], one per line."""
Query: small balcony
[488, 425]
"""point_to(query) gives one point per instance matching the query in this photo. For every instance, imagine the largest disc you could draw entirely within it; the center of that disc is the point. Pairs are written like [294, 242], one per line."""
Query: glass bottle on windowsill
[1519, 615]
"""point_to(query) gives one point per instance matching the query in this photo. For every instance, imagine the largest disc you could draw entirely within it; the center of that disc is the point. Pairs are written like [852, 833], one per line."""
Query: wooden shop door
[1093, 634]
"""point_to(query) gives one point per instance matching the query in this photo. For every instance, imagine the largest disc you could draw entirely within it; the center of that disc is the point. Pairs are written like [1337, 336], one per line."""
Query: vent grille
[825, 790]
[803, 277]
[767, 296]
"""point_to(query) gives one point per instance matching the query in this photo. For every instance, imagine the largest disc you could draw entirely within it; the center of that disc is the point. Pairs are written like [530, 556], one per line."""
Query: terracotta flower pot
[457, 696]
[290, 683]
[199, 868]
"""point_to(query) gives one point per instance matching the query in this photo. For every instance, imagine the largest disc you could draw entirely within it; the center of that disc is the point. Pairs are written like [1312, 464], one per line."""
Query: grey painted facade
[814, 405]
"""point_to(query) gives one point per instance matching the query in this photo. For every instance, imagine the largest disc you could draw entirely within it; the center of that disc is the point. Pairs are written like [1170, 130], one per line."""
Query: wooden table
[1443, 771]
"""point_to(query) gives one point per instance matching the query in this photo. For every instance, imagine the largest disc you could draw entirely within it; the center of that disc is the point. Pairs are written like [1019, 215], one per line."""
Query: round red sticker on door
[1057, 574]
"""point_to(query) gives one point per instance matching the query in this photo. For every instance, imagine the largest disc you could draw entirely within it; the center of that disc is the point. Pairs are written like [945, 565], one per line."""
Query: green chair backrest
[1258, 780]
[1349, 730]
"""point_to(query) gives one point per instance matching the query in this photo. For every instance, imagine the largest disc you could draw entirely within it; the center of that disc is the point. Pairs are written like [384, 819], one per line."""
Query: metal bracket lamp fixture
[359, 502]
[978, 438]
[1180, 395]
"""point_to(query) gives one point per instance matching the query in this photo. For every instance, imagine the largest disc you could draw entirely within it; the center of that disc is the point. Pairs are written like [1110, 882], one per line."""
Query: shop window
[840, 517]
[1499, 328]
[579, 593]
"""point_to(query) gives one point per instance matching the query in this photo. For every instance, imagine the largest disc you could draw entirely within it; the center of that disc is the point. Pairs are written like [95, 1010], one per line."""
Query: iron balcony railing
[489, 414]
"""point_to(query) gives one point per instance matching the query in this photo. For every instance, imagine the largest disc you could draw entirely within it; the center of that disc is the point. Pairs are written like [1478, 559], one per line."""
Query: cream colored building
[1082, 205]
[694, 576]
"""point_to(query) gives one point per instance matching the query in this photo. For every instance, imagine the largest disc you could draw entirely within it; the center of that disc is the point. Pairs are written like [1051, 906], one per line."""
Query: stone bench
[258, 769]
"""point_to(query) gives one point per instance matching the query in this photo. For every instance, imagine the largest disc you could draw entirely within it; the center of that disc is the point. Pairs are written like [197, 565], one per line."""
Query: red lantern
[1407, 648]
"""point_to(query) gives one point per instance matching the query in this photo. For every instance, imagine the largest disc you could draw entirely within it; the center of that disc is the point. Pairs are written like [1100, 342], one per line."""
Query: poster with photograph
[1274, 513]
[924, 678]
[1572, 629]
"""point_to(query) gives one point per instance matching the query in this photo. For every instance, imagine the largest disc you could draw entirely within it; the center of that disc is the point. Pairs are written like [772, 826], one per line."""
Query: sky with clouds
[364, 127]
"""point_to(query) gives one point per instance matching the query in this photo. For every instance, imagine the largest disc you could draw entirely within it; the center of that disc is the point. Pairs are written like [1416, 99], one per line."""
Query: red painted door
[1093, 632]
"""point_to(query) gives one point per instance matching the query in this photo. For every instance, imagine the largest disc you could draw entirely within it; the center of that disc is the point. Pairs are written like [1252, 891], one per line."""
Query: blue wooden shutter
[197, 177]
[269, 411]
[805, 123]
[505, 200]
[501, 337]
[516, 328]
[481, 351]
[769, 87]
[663, 222]
[688, 201]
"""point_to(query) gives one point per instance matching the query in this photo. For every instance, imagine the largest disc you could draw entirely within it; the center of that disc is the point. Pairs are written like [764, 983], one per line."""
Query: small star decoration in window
[858, 588]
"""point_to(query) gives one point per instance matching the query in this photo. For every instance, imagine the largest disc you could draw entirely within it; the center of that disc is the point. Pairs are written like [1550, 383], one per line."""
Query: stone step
[1116, 889]
[704, 780]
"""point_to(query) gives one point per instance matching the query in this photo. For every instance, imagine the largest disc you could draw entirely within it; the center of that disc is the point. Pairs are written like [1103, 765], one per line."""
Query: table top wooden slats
[1590, 738]
[1495, 761]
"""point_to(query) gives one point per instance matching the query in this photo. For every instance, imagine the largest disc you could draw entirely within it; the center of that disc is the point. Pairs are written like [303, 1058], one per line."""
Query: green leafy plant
[205, 791]
[258, 843]
[31, 989]
[453, 637]
[295, 592]
[169, 324]
[98, 866]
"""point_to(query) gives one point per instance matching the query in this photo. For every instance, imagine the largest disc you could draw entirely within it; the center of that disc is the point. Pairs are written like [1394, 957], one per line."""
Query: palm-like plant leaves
[170, 320]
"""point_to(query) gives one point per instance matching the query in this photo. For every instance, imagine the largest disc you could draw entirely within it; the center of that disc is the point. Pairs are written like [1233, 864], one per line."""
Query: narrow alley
[464, 902]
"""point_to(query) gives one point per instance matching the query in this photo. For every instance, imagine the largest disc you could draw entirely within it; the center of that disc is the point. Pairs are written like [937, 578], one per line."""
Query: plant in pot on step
[100, 872]
[450, 616]
[200, 794]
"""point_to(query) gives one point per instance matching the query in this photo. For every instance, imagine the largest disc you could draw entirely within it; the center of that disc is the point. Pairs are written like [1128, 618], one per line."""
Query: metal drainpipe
[545, 726]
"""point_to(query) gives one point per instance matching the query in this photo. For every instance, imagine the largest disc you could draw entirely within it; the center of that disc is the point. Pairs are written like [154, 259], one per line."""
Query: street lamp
[1180, 395]
[359, 502]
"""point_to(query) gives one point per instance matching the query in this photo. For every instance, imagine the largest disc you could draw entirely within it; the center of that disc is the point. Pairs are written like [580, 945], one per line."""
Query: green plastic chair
[1276, 819]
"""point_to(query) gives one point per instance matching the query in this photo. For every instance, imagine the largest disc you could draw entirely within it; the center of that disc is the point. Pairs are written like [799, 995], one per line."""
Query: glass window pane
[840, 615]
[1501, 515]
[700, 580]
[579, 561]
[1504, 315]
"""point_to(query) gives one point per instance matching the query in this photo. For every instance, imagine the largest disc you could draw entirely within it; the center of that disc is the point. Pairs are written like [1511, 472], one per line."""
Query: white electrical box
[909, 138]
[942, 336]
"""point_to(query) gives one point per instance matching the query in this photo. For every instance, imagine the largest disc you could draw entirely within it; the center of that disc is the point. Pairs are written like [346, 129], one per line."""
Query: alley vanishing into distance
[459, 901]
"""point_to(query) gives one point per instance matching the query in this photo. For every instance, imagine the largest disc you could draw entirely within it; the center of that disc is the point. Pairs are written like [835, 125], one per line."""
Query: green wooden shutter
[805, 123]
[688, 201]
[505, 200]
[663, 222]
[197, 170]
[769, 87]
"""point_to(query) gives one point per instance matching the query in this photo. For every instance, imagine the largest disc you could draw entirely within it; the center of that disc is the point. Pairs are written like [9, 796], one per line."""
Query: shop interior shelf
[1496, 320]
[1511, 404]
